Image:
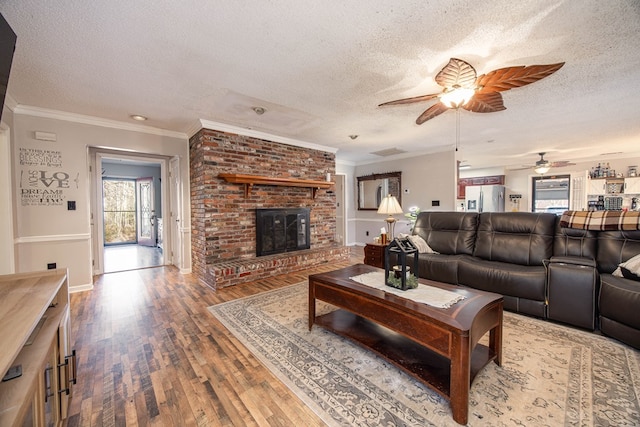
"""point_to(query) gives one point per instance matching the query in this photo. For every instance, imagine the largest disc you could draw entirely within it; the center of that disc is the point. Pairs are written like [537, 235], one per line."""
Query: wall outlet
[367, 233]
[435, 203]
[51, 266]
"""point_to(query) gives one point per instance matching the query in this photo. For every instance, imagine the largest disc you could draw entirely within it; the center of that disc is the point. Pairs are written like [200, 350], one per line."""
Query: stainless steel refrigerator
[484, 198]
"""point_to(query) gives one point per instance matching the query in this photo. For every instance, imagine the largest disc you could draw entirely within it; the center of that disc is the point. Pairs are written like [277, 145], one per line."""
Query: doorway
[128, 213]
[341, 228]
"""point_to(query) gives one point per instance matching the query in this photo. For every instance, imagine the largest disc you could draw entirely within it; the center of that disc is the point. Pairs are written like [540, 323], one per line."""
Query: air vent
[388, 152]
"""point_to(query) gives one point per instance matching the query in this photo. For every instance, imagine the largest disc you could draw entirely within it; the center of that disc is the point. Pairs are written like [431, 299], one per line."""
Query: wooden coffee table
[439, 347]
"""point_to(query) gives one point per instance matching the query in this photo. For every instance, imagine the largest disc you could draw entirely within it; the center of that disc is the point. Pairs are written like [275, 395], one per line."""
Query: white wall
[47, 233]
[425, 179]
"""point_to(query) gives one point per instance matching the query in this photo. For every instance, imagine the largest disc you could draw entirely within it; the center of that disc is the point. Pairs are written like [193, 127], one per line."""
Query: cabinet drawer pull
[64, 379]
[74, 366]
[47, 384]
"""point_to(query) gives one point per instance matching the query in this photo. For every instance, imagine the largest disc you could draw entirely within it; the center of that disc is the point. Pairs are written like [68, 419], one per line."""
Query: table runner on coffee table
[424, 294]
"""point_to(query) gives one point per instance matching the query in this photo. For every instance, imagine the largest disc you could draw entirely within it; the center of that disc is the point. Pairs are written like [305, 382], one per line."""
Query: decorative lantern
[400, 276]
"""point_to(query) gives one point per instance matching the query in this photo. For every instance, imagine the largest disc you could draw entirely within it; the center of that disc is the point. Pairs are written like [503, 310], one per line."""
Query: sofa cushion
[438, 267]
[527, 282]
[516, 237]
[620, 300]
[616, 247]
[575, 242]
[449, 233]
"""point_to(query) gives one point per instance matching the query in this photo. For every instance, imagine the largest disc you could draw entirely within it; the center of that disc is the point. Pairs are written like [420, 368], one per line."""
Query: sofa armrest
[573, 260]
[572, 289]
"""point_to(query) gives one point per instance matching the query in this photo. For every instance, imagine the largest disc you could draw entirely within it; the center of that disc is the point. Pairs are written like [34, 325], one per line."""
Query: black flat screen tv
[7, 47]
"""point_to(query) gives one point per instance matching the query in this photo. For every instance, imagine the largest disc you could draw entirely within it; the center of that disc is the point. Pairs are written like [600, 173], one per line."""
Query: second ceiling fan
[462, 87]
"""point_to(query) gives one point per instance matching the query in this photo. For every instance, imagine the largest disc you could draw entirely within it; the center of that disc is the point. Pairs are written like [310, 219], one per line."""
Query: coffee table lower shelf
[416, 360]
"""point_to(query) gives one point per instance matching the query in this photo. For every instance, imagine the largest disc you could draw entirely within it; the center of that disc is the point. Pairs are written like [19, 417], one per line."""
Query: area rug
[551, 375]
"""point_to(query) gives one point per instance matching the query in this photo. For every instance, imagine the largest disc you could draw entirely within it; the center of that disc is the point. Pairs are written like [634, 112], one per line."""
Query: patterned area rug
[551, 375]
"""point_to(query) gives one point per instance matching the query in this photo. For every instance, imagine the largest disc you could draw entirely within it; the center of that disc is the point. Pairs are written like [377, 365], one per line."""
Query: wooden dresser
[374, 254]
[35, 329]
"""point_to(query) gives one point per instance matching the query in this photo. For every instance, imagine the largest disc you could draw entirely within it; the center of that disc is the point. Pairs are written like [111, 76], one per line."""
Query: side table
[374, 254]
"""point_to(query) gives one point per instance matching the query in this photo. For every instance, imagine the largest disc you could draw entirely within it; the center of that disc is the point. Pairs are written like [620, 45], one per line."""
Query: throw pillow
[631, 266]
[422, 246]
[627, 274]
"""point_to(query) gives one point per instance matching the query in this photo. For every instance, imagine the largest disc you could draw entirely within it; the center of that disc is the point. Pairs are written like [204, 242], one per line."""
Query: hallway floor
[131, 257]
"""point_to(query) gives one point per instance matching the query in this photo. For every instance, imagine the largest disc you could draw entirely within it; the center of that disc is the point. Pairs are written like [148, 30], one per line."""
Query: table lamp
[390, 206]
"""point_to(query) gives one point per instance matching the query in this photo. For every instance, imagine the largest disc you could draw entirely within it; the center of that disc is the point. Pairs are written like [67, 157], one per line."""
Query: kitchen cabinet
[597, 187]
[463, 183]
[632, 185]
[606, 186]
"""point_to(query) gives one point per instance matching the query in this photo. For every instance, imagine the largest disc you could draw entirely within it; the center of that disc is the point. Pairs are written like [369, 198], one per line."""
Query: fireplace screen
[282, 230]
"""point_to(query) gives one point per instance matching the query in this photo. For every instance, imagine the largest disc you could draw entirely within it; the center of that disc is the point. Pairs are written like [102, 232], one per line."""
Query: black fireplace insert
[282, 230]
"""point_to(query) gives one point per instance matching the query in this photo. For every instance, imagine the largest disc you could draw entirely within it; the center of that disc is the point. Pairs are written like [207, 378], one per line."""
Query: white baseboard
[80, 288]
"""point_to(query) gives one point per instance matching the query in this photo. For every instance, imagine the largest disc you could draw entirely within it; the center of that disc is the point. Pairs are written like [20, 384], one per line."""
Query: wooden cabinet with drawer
[374, 254]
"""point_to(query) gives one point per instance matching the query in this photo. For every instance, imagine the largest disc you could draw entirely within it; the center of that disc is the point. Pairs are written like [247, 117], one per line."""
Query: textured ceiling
[321, 68]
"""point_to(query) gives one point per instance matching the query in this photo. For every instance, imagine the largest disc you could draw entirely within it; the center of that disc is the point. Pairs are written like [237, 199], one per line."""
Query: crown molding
[345, 162]
[95, 121]
[223, 127]
[9, 102]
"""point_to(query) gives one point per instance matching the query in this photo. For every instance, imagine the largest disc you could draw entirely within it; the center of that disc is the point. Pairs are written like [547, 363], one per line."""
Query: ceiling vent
[388, 152]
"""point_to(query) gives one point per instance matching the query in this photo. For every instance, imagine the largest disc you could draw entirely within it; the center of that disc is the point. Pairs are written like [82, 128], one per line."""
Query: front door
[146, 212]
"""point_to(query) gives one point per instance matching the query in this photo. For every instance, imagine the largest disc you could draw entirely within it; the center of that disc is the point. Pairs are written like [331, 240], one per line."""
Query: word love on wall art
[42, 180]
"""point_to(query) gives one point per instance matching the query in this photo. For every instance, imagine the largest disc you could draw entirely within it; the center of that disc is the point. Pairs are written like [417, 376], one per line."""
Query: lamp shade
[390, 206]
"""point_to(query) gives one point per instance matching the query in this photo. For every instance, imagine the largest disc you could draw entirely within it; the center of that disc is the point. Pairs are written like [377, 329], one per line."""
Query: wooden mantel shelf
[250, 180]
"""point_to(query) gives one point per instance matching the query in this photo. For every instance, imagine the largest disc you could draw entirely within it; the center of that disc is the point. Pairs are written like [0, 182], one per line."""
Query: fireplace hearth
[282, 230]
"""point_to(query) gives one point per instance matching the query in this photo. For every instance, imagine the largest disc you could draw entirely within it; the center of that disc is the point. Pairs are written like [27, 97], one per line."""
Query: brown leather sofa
[540, 268]
[619, 302]
[496, 252]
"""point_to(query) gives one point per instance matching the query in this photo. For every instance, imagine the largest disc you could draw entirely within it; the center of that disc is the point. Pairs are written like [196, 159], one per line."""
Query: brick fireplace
[223, 217]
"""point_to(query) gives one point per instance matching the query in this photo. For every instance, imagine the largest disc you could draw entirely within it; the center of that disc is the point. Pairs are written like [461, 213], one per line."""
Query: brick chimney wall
[223, 220]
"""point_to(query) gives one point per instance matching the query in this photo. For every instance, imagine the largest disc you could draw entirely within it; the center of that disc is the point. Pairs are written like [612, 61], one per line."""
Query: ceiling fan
[543, 166]
[462, 87]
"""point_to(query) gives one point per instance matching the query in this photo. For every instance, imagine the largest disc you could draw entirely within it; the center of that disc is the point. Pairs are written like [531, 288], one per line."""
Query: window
[119, 204]
[550, 194]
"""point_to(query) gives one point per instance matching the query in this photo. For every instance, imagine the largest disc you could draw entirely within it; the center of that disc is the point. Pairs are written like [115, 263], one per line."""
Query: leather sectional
[540, 268]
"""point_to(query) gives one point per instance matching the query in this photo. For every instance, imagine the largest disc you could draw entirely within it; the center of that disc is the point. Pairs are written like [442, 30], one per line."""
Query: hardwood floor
[150, 354]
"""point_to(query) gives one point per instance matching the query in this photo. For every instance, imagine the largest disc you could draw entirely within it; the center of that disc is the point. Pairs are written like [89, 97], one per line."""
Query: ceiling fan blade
[510, 77]
[457, 73]
[431, 112]
[411, 100]
[485, 103]
[561, 163]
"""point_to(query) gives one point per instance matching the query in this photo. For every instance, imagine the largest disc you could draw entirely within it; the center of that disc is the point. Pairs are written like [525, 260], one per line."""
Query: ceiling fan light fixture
[542, 165]
[457, 97]
[542, 169]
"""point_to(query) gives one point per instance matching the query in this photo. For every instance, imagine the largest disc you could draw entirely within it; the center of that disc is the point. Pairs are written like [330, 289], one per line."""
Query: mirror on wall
[373, 188]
